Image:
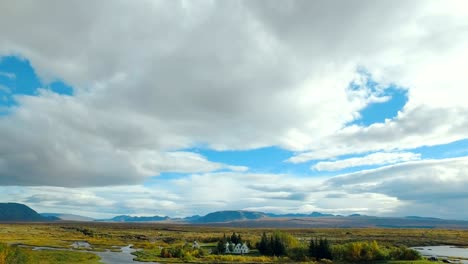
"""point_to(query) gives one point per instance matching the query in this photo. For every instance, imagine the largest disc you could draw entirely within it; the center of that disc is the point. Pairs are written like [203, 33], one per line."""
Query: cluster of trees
[371, 251]
[277, 244]
[320, 249]
[281, 244]
[12, 255]
[273, 246]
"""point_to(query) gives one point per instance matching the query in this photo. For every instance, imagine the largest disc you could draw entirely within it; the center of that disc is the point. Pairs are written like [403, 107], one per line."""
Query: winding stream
[108, 257]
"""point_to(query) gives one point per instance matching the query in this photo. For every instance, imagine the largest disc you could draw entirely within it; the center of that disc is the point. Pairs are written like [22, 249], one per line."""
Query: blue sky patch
[377, 112]
[17, 76]
[451, 150]
[261, 160]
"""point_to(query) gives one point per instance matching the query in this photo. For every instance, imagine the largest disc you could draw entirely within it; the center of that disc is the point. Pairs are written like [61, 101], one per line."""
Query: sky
[181, 108]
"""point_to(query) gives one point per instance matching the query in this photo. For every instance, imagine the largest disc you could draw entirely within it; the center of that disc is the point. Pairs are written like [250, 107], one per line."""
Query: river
[444, 252]
[108, 257]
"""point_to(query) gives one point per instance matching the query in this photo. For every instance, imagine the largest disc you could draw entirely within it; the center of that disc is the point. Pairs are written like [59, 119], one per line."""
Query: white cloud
[195, 195]
[420, 126]
[285, 86]
[149, 162]
[59, 141]
[379, 158]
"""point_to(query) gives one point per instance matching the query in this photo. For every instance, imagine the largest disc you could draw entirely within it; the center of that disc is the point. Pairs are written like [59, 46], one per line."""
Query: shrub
[298, 254]
[359, 252]
[404, 253]
[325, 261]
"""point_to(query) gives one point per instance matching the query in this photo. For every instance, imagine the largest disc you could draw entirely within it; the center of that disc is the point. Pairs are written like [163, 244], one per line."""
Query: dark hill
[229, 216]
[15, 212]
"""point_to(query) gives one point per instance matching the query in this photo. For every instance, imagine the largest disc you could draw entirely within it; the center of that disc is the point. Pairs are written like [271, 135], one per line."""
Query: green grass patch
[62, 257]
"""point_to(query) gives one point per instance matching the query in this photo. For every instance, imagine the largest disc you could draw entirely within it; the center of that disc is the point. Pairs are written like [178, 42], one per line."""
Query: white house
[237, 249]
[195, 245]
[245, 249]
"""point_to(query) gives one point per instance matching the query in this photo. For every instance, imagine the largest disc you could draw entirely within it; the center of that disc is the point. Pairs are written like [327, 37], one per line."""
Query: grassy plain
[151, 237]
[62, 257]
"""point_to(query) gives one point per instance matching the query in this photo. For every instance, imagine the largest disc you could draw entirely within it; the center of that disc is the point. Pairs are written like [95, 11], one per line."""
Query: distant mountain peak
[355, 215]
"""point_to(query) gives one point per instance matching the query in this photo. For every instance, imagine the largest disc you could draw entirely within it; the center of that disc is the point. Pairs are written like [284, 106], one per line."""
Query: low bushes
[371, 251]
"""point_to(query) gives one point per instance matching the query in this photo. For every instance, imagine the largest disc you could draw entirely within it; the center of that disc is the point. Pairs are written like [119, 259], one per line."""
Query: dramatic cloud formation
[155, 80]
[443, 182]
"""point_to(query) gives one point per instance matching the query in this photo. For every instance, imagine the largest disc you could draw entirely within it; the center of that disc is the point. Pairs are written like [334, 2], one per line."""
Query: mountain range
[15, 212]
[127, 218]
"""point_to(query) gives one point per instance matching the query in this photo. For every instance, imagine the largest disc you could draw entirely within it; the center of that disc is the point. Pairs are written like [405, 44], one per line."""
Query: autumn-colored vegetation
[346, 244]
[12, 255]
[18, 255]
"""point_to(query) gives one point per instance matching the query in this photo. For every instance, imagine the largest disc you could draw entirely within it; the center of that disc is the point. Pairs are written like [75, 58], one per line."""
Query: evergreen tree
[221, 247]
[278, 246]
[327, 252]
[263, 245]
[320, 249]
[312, 248]
[234, 239]
[270, 249]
